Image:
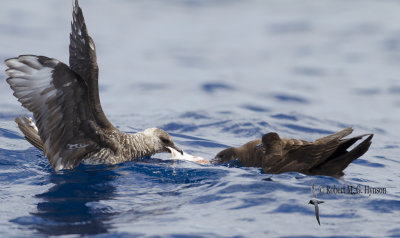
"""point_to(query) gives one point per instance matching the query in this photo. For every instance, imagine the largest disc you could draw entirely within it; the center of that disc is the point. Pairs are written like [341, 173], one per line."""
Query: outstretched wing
[83, 61]
[82, 52]
[313, 191]
[317, 212]
[58, 99]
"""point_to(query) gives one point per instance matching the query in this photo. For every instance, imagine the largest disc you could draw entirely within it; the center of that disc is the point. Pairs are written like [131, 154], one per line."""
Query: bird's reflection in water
[69, 206]
[88, 201]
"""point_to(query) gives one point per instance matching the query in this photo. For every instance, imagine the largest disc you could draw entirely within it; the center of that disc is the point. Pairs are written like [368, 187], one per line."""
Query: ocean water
[213, 74]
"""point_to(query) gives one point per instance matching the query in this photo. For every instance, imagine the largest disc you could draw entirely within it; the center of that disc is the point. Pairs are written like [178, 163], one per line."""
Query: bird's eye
[165, 141]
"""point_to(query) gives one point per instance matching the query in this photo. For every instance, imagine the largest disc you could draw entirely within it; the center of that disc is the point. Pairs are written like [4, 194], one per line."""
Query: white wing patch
[67, 84]
[91, 44]
[31, 82]
[76, 146]
[33, 85]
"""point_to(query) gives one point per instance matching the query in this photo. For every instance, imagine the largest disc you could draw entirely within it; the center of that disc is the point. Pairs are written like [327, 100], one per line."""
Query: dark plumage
[71, 125]
[326, 156]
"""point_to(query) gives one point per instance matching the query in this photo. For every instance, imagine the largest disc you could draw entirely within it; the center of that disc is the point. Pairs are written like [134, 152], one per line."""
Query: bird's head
[161, 140]
[268, 142]
[225, 156]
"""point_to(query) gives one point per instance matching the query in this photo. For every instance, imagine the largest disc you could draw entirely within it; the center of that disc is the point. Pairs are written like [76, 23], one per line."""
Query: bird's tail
[30, 131]
[342, 158]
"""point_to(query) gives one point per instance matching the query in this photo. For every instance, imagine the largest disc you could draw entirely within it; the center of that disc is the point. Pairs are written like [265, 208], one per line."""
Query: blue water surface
[213, 74]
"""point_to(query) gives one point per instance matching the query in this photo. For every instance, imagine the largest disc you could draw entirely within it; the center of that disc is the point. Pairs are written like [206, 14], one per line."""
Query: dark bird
[326, 156]
[71, 125]
[314, 201]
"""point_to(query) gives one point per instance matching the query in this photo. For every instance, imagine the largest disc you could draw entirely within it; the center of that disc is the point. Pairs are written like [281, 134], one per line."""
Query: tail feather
[28, 128]
[344, 145]
[335, 166]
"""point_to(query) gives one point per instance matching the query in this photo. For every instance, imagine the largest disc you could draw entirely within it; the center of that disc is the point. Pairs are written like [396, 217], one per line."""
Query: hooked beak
[177, 149]
[259, 146]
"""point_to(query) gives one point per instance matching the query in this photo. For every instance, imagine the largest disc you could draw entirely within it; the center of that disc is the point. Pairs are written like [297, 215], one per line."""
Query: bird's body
[325, 156]
[314, 201]
[65, 102]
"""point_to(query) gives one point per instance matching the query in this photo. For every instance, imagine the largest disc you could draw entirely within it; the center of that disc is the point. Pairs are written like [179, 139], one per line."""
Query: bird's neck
[139, 145]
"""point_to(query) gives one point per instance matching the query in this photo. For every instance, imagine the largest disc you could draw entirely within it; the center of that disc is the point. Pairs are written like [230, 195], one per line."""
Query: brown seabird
[325, 156]
[71, 125]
